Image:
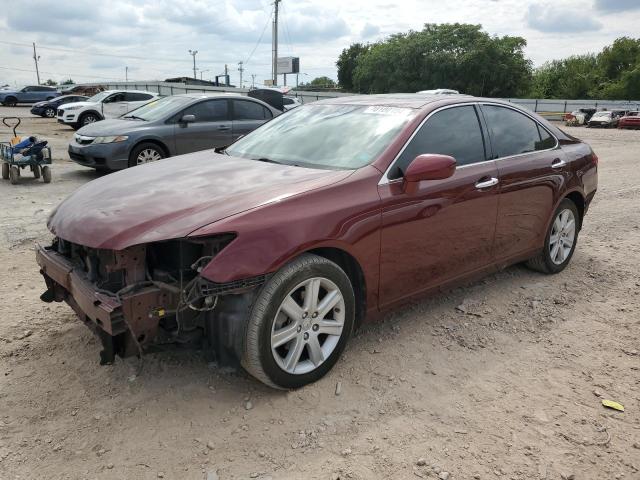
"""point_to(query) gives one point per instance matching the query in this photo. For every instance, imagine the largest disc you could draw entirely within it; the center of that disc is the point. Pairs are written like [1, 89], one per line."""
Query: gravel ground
[503, 378]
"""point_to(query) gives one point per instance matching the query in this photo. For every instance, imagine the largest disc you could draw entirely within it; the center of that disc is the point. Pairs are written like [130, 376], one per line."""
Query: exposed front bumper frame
[125, 324]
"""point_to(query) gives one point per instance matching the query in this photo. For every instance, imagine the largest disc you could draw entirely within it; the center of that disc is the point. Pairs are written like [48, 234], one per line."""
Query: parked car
[581, 116]
[290, 103]
[440, 91]
[166, 127]
[630, 120]
[48, 108]
[107, 104]
[604, 119]
[274, 250]
[29, 94]
[85, 90]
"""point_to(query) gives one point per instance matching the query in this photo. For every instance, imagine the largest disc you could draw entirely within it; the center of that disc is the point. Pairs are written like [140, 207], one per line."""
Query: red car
[630, 120]
[270, 253]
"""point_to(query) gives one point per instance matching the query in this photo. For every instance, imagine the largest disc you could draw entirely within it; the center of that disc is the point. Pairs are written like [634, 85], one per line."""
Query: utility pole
[35, 59]
[240, 69]
[126, 74]
[253, 80]
[193, 54]
[274, 67]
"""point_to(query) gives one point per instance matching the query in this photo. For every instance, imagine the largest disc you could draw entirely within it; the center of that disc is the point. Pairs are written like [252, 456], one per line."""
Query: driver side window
[116, 97]
[453, 131]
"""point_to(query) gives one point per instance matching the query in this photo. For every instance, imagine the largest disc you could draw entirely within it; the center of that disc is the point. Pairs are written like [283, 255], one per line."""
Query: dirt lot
[501, 379]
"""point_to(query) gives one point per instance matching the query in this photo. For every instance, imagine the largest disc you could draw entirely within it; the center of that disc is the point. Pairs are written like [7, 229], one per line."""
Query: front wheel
[88, 118]
[14, 175]
[145, 153]
[50, 112]
[561, 239]
[46, 174]
[5, 171]
[10, 102]
[300, 323]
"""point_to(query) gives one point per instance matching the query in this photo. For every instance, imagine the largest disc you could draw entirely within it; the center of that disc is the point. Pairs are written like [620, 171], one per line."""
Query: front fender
[345, 216]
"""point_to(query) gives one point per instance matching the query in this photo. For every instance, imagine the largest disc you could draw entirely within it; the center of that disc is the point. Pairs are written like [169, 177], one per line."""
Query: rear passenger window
[247, 110]
[137, 97]
[513, 133]
[453, 131]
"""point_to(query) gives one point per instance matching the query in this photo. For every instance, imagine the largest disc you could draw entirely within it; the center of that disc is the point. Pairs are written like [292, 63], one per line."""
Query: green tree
[68, 81]
[322, 82]
[50, 82]
[458, 56]
[347, 62]
[573, 77]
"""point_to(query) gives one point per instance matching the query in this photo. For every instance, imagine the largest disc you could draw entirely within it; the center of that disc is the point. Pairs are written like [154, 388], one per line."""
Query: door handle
[491, 182]
[558, 163]
[224, 127]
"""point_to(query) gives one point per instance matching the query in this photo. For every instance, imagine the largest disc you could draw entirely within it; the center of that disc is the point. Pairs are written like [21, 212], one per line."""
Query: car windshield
[158, 109]
[98, 97]
[633, 114]
[325, 136]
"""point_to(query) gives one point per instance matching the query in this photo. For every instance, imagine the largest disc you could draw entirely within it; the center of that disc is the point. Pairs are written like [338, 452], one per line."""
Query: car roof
[402, 100]
[128, 91]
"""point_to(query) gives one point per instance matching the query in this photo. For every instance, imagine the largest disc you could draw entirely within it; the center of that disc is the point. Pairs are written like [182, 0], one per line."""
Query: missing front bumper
[125, 324]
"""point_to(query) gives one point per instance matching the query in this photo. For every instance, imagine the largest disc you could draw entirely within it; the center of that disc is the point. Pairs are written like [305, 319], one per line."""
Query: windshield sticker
[380, 110]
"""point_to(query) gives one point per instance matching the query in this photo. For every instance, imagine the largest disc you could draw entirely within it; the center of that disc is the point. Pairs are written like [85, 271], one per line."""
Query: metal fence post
[535, 109]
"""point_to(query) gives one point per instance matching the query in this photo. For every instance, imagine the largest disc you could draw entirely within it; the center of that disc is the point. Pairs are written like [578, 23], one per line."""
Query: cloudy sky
[90, 41]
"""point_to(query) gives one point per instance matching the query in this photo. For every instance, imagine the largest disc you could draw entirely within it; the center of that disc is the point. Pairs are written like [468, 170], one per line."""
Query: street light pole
[240, 69]
[126, 74]
[193, 54]
[274, 60]
[35, 59]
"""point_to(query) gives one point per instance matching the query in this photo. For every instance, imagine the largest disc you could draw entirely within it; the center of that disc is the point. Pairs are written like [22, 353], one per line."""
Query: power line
[259, 40]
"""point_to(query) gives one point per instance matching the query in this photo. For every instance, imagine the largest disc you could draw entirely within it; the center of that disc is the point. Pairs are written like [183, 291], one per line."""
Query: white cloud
[152, 37]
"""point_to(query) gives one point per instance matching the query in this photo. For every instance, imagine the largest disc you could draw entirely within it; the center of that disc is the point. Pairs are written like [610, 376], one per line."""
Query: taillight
[594, 159]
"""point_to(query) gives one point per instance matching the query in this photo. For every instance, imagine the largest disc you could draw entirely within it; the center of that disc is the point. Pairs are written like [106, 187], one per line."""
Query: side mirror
[429, 166]
[188, 119]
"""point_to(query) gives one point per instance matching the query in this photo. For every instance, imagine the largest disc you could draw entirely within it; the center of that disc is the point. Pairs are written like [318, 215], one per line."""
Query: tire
[10, 102]
[146, 152]
[36, 171]
[266, 362]
[548, 262]
[87, 118]
[14, 175]
[5, 171]
[46, 174]
[50, 112]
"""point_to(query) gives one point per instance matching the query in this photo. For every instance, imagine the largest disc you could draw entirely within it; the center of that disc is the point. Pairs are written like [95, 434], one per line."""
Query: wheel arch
[353, 269]
[87, 112]
[578, 199]
[153, 140]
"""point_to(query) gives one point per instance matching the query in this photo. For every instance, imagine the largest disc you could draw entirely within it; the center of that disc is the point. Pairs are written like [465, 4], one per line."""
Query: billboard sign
[288, 65]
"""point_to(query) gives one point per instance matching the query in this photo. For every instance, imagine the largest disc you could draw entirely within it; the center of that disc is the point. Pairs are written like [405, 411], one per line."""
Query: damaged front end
[145, 297]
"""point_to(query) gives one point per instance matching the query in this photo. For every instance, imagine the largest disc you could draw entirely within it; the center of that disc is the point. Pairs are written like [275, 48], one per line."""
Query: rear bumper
[125, 324]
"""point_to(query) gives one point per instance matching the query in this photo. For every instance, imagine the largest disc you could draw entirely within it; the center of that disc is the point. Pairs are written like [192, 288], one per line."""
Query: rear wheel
[46, 174]
[36, 171]
[50, 112]
[146, 153]
[5, 171]
[561, 240]
[14, 175]
[300, 323]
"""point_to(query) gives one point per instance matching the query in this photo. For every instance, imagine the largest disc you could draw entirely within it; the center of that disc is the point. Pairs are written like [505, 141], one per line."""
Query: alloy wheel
[308, 325]
[563, 236]
[50, 113]
[89, 119]
[148, 155]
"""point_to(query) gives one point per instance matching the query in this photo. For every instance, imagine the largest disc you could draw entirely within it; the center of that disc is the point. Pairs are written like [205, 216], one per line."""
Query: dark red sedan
[630, 120]
[270, 253]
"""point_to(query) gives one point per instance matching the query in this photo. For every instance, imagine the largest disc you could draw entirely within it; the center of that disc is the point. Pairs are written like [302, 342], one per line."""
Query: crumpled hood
[110, 127]
[175, 196]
